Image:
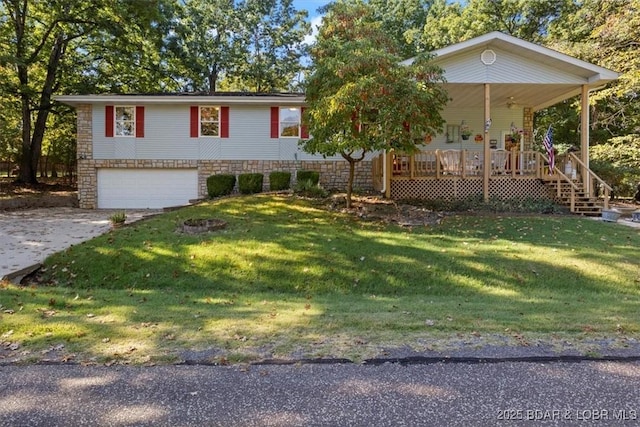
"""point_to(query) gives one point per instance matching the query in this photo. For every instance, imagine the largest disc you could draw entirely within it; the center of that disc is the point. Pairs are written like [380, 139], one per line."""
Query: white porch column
[487, 151]
[584, 135]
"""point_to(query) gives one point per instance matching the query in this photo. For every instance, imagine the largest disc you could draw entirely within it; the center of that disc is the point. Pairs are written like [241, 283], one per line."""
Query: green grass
[288, 278]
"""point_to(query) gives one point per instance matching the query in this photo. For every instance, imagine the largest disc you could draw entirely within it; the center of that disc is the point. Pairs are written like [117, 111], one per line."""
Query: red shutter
[109, 121]
[139, 122]
[304, 129]
[224, 122]
[194, 121]
[275, 122]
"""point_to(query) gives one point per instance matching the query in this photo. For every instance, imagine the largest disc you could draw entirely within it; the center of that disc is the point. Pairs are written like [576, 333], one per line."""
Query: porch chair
[450, 160]
[499, 161]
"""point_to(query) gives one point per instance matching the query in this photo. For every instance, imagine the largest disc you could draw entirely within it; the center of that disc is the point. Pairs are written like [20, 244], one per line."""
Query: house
[153, 151]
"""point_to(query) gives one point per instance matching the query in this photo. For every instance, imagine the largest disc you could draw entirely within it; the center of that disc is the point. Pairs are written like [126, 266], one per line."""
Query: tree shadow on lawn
[286, 271]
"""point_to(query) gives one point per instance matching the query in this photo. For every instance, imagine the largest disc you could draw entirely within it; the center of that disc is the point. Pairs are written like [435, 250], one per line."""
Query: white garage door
[146, 188]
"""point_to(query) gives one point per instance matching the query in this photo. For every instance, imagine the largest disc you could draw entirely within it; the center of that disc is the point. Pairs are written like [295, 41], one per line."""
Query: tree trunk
[213, 79]
[32, 143]
[27, 173]
[352, 167]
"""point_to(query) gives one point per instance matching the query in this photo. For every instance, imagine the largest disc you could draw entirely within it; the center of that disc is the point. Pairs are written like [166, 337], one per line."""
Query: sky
[311, 6]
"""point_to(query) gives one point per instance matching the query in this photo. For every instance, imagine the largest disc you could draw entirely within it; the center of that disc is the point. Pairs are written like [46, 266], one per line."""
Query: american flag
[547, 141]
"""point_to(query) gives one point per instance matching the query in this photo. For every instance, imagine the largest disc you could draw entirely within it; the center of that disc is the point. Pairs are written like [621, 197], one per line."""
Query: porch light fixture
[511, 104]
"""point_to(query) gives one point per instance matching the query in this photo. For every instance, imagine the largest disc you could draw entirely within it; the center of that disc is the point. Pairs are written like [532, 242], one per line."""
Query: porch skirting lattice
[456, 189]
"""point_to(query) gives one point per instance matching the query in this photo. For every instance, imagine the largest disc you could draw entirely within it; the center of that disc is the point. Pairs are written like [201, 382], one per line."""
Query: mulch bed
[52, 193]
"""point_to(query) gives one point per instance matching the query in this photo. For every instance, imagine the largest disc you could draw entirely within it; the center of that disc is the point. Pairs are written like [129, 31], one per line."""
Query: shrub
[118, 218]
[279, 180]
[250, 183]
[220, 185]
[309, 189]
[617, 162]
[304, 176]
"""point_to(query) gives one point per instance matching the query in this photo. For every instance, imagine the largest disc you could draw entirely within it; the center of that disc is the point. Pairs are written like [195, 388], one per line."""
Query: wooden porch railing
[591, 177]
[465, 164]
[572, 171]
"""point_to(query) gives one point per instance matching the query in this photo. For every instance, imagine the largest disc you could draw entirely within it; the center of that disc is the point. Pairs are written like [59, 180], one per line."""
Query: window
[290, 122]
[209, 121]
[125, 121]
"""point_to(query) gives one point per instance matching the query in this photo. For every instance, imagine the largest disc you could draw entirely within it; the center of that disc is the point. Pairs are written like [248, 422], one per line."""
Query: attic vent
[488, 57]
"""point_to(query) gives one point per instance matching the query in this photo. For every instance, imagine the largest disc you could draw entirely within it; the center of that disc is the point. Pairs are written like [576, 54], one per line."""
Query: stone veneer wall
[333, 174]
[86, 170]
[528, 128]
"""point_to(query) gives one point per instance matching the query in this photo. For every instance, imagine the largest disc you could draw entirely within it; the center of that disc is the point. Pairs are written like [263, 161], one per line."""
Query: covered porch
[488, 147]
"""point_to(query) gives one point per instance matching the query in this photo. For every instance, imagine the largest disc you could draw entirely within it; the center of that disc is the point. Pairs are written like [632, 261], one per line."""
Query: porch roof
[520, 72]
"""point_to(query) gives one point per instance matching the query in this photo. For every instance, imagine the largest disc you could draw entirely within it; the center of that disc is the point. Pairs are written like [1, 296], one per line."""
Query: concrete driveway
[27, 237]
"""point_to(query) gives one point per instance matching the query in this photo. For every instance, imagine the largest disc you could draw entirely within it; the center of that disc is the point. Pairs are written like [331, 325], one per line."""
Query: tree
[453, 22]
[618, 162]
[360, 98]
[250, 45]
[208, 43]
[35, 38]
[275, 31]
[607, 33]
[404, 20]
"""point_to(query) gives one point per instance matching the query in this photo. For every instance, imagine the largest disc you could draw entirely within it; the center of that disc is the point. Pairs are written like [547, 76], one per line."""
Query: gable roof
[523, 72]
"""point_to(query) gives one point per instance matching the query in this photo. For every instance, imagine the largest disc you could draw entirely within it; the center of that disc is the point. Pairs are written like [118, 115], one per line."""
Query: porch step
[583, 203]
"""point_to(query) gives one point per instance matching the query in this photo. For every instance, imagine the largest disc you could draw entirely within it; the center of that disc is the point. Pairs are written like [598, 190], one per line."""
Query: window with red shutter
[275, 122]
[224, 122]
[109, 121]
[139, 122]
[194, 121]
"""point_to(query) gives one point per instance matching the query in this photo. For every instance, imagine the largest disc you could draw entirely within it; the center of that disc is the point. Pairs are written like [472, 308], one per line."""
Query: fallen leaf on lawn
[68, 357]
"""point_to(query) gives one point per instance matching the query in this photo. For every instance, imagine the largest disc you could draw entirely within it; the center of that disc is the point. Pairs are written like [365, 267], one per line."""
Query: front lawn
[288, 278]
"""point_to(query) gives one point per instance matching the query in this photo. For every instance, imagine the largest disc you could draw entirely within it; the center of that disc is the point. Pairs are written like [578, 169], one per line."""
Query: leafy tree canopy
[360, 98]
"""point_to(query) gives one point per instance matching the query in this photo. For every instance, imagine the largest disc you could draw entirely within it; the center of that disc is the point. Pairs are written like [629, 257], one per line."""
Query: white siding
[508, 68]
[502, 118]
[167, 137]
[103, 148]
[249, 135]
[166, 134]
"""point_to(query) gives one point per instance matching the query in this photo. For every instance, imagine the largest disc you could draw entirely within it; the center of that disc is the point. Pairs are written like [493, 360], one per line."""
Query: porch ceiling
[536, 96]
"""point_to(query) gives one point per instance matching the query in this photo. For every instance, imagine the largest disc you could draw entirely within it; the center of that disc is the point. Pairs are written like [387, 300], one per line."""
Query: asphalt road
[452, 394]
